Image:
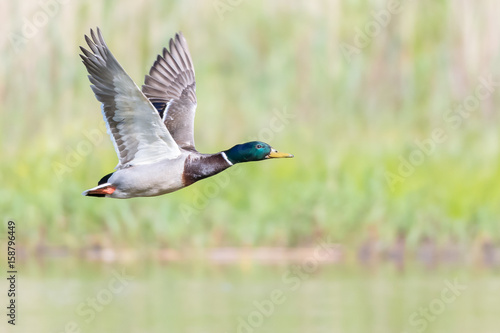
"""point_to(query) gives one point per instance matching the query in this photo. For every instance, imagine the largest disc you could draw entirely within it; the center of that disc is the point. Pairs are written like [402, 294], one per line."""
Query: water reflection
[68, 295]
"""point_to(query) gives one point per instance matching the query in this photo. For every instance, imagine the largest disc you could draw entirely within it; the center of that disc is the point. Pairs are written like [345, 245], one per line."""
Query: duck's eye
[258, 146]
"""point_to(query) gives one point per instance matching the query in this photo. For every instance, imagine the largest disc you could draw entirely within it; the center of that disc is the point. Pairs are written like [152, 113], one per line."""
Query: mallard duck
[153, 130]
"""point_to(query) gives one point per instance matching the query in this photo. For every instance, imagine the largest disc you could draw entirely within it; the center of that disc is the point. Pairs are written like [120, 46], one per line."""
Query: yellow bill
[276, 154]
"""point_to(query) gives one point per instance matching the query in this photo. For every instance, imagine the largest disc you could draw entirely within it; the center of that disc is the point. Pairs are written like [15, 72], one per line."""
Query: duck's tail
[102, 188]
[100, 191]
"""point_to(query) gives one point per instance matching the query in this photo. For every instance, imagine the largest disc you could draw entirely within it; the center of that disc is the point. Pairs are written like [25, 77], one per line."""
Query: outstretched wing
[133, 123]
[171, 87]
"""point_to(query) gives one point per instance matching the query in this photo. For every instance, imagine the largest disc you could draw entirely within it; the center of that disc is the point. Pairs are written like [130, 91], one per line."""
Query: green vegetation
[347, 123]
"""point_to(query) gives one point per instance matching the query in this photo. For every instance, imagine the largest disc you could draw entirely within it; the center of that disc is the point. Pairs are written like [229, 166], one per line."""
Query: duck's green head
[253, 151]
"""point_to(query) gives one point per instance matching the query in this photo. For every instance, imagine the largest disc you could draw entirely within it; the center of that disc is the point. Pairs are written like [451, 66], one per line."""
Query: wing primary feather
[171, 86]
[133, 123]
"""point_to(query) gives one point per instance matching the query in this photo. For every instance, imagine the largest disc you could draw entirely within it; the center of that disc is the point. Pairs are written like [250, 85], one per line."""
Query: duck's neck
[198, 167]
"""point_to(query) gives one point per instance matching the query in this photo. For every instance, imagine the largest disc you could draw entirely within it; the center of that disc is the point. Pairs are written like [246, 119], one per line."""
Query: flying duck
[152, 130]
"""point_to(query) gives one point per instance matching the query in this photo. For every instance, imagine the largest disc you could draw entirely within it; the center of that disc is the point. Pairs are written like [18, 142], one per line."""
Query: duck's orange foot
[100, 191]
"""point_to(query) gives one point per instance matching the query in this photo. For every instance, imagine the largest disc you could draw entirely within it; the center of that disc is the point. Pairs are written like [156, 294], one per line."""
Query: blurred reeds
[351, 123]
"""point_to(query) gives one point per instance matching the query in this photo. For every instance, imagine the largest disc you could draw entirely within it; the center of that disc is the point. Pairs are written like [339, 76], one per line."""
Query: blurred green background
[356, 92]
[347, 120]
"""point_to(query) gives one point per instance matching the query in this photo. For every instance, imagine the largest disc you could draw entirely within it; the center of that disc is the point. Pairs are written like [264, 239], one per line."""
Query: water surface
[72, 296]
